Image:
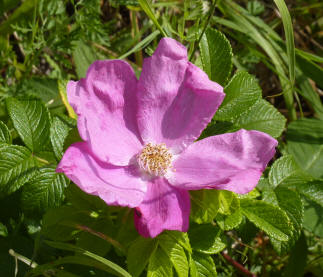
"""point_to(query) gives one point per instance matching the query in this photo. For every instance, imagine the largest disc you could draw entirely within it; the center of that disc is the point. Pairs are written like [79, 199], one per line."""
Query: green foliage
[247, 47]
[305, 144]
[216, 55]
[17, 167]
[5, 136]
[267, 217]
[31, 120]
[44, 191]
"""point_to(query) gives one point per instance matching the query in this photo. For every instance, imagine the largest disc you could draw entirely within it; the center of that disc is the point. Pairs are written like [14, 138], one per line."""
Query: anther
[155, 159]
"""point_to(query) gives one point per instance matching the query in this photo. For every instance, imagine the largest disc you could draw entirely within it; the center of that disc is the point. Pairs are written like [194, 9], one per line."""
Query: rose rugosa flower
[139, 148]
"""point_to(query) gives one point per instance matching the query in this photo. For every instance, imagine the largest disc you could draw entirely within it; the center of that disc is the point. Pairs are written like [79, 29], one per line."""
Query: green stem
[206, 23]
[136, 35]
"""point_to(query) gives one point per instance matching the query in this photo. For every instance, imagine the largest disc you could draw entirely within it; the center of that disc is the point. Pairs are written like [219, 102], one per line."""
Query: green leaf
[181, 238]
[305, 143]
[17, 166]
[58, 133]
[83, 56]
[175, 252]
[216, 56]
[228, 202]
[285, 171]
[139, 254]
[5, 135]
[31, 120]
[240, 94]
[267, 217]
[203, 264]
[313, 217]
[263, 117]
[290, 202]
[160, 264]
[229, 222]
[312, 190]
[44, 191]
[117, 270]
[205, 205]
[205, 239]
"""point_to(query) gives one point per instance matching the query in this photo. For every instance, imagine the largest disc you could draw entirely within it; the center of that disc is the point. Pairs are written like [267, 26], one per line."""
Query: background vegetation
[267, 54]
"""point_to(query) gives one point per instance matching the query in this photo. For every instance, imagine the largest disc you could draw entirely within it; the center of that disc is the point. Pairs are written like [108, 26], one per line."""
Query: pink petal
[105, 102]
[164, 208]
[176, 99]
[233, 161]
[115, 185]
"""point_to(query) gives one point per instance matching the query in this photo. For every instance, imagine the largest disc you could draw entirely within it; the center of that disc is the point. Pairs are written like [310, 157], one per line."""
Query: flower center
[155, 159]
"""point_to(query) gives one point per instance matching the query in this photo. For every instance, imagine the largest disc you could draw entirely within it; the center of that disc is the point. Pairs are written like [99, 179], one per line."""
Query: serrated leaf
[58, 133]
[44, 191]
[181, 238]
[205, 239]
[139, 254]
[175, 252]
[240, 94]
[312, 190]
[5, 135]
[160, 264]
[228, 202]
[229, 222]
[285, 171]
[17, 166]
[305, 143]
[267, 217]
[290, 202]
[229, 215]
[263, 117]
[31, 120]
[205, 205]
[204, 265]
[216, 56]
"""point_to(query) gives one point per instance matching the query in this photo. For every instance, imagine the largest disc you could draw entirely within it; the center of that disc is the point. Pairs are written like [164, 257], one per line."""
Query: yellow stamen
[155, 159]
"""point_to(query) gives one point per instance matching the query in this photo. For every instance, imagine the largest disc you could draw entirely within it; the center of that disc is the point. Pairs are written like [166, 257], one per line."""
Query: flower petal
[176, 99]
[115, 185]
[164, 208]
[105, 102]
[233, 161]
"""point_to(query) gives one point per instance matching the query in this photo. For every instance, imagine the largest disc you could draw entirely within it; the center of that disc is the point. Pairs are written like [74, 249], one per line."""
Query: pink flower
[139, 148]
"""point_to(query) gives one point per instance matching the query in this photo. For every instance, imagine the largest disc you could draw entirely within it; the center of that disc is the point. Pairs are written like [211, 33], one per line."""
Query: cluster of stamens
[155, 159]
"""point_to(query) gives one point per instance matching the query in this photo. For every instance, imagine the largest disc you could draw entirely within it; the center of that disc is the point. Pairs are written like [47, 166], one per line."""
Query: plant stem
[238, 266]
[206, 23]
[102, 236]
[136, 35]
